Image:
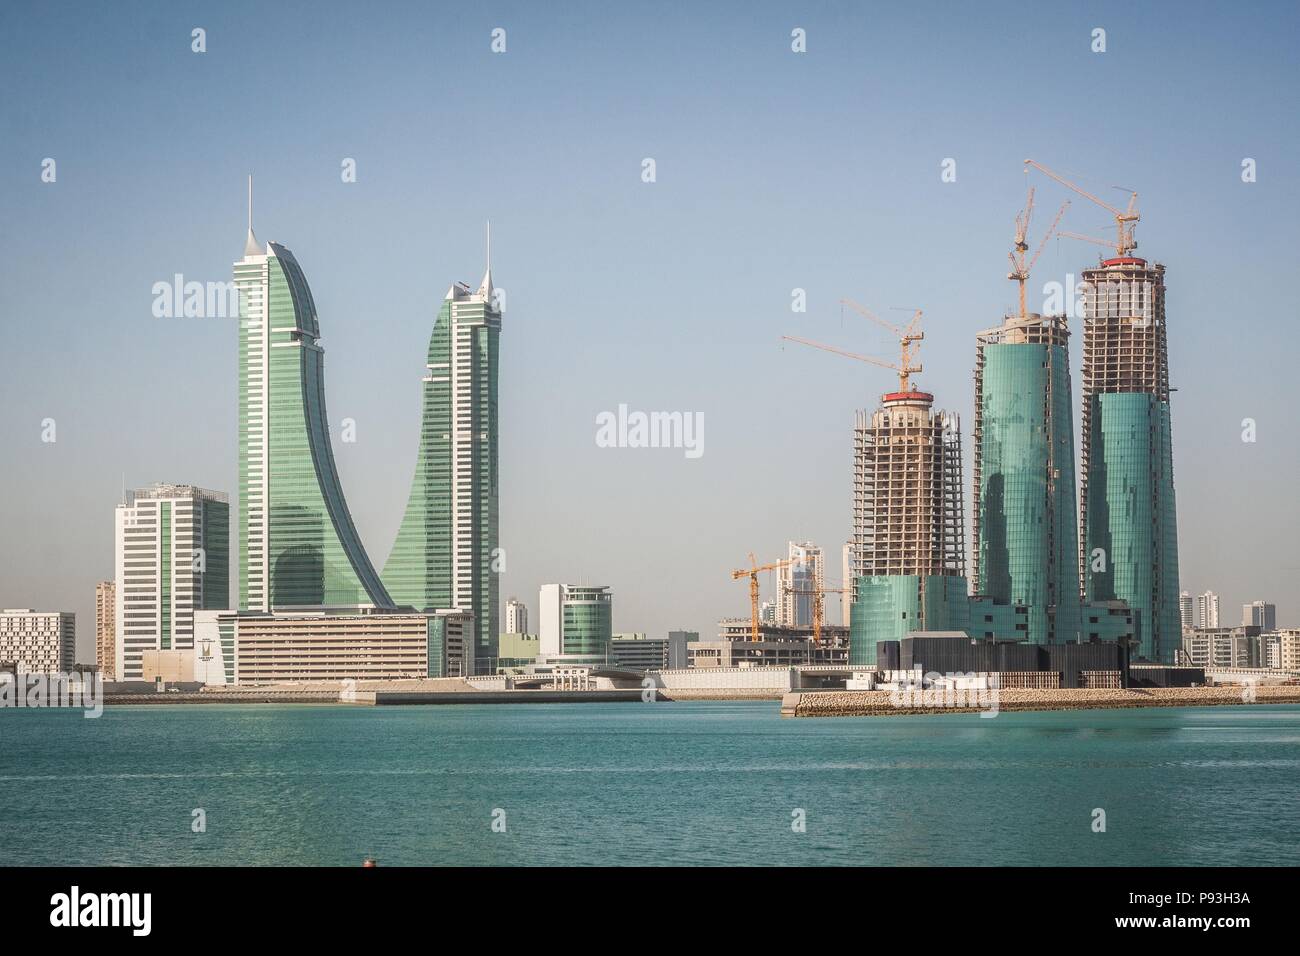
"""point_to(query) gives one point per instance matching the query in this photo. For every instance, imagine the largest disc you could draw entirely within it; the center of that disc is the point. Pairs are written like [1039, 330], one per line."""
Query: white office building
[38, 642]
[172, 546]
[516, 617]
[1207, 611]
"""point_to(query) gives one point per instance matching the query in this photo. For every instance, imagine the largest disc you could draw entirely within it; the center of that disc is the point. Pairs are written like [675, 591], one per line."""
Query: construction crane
[752, 572]
[1124, 218]
[1074, 235]
[819, 595]
[1019, 270]
[906, 335]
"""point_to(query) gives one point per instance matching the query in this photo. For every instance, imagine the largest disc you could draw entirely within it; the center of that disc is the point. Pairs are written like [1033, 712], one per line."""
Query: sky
[774, 171]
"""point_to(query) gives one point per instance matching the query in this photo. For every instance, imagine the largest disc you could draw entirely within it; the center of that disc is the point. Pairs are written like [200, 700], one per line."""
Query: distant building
[776, 647]
[169, 667]
[516, 618]
[330, 644]
[846, 571]
[1289, 649]
[799, 583]
[1259, 614]
[1220, 647]
[575, 623]
[172, 559]
[642, 652]
[516, 650]
[105, 628]
[1270, 650]
[1207, 610]
[38, 642]
[767, 612]
[1187, 611]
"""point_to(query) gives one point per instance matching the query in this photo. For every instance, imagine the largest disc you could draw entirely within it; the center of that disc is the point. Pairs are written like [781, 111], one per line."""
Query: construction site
[1057, 555]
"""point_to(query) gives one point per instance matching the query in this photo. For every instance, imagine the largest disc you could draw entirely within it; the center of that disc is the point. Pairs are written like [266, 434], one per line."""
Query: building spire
[485, 288]
[251, 245]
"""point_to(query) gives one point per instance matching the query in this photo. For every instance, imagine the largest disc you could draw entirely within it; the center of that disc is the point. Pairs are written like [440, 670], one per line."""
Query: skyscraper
[799, 583]
[298, 546]
[1207, 610]
[447, 549]
[908, 541]
[172, 559]
[516, 617]
[1128, 517]
[1186, 611]
[1024, 533]
[1260, 614]
[106, 628]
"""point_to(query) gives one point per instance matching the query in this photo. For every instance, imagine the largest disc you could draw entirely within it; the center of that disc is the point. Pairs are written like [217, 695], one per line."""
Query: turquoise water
[679, 783]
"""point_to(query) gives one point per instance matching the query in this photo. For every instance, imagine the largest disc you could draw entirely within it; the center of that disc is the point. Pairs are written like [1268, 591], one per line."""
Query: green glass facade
[588, 626]
[1026, 540]
[1132, 539]
[298, 544]
[447, 549]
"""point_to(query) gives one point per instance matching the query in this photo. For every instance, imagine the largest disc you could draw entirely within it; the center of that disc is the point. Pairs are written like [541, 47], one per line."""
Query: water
[671, 783]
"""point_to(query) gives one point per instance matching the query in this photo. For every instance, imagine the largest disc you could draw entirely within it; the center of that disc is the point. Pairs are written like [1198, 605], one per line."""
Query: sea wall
[879, 703]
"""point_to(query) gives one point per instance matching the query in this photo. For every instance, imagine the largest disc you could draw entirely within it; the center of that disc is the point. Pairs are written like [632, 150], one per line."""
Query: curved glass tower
[447, 546]
[297, 543]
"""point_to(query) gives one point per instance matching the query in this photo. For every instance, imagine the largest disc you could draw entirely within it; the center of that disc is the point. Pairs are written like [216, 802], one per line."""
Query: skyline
[700, 286]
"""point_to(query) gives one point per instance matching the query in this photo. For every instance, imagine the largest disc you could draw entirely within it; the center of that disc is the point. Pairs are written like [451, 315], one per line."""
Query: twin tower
[298, 546]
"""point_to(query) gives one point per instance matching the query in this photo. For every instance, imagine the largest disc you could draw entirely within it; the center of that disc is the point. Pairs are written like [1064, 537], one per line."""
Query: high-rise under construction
[1128, 519]
[1023, 525]
[908, 540]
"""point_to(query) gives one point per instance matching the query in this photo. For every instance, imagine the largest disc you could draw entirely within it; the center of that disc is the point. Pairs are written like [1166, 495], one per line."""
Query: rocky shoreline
[867, 703]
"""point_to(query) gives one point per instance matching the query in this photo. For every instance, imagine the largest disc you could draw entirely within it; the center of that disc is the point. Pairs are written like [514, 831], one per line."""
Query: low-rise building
[1215, 647]
[38, 642]
[643, 652]
[331, 644]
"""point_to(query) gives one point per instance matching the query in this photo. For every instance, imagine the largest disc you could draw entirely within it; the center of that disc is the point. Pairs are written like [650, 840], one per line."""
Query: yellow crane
[819, 614]
[907, 336]
[752, 572]
[1125, 219]
[1019, 270]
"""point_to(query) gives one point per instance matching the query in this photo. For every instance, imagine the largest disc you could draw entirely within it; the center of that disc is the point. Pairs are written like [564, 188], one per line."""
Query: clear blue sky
[775, 171]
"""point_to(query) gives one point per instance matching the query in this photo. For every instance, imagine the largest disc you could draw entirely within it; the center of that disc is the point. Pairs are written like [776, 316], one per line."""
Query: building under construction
[1130, 547]
[1023, 528]
[908, 541]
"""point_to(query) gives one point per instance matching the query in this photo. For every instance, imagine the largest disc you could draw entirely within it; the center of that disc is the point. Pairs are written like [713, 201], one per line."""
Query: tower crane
[906, 335]
[819, 613]
[752, 573]
[1019, 270]
[1125, 219]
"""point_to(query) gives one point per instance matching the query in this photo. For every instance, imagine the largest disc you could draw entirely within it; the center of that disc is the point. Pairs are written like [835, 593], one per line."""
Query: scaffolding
[907, 508]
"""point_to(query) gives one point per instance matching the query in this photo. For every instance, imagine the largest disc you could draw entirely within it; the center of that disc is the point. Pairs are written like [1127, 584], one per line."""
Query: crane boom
[1124, 241]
